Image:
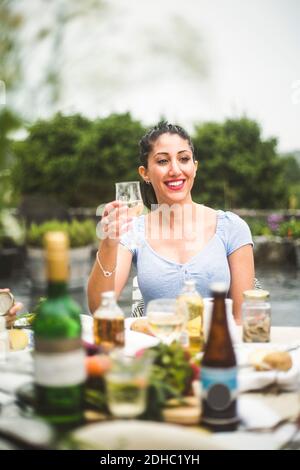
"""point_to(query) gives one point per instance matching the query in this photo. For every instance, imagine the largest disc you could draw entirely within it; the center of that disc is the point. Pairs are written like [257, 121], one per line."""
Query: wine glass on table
[167, 319]
[129, 192]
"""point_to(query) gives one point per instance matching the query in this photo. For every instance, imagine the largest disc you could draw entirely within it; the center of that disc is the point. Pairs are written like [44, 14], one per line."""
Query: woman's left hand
[12, 313]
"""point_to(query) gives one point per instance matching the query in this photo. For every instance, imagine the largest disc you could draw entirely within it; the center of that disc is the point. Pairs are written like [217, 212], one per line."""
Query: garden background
[81, 82]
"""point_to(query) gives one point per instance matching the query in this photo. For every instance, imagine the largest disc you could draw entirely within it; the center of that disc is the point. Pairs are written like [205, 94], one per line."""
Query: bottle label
[219, 387]
[60, 369]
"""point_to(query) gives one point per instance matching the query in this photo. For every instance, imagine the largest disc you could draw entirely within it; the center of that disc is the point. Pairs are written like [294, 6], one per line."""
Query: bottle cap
[189, 282]
[57, 256]
[56, 241]
[256, 294]
[110, 294]
[218, 288]
[6, 302]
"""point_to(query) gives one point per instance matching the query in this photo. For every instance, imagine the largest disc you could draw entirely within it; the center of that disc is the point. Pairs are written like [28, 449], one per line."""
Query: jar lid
[6, 302]
[256, 294]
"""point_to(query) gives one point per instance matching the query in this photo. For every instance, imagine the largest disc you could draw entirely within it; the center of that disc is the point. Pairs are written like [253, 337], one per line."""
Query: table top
[271, 409]
[280, 334]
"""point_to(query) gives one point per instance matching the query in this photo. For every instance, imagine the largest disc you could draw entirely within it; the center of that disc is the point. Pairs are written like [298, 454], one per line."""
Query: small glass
[167, 319]
[127, 384]
[256, 312]
[130, 193]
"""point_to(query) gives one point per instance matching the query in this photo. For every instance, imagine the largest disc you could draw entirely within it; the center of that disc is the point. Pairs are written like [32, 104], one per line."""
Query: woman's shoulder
[230, 219]
[233, 230]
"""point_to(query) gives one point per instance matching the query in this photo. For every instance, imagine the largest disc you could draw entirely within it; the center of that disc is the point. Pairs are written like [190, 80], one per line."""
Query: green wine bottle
[59, 356]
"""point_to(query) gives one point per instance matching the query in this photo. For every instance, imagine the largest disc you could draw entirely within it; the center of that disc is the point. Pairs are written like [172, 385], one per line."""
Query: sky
[189, 61]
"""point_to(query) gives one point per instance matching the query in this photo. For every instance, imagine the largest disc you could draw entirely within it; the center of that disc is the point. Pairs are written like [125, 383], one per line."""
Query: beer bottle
[109, 323]
[59, 356]
[194, 304]
[219, 371]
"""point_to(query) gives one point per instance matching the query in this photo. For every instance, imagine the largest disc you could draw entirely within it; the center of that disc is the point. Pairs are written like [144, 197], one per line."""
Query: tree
[109, 153]
[77, 160]
[237, 168]
[291, 175]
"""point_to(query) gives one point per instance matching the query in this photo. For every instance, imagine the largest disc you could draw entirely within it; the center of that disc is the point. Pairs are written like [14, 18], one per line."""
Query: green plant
[72, 150]
[11, 230]
[290, 229]
[171, 377]
[258, 227]
[238, 168]
[80, 233]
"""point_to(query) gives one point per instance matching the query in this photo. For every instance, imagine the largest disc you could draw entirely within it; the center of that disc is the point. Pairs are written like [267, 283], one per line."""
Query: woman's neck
[176, 216]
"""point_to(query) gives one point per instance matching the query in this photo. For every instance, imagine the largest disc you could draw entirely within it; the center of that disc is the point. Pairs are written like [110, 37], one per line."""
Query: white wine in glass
[166, 318]
[130, 193]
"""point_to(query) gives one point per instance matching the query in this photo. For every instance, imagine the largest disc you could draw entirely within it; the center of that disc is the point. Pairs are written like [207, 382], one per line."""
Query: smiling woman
[179, 239]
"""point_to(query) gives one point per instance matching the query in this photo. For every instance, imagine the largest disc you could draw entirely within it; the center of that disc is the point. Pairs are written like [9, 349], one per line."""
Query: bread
[186, 413]
[263, 359]
[141, 325]
[280, 360]
[18, 339]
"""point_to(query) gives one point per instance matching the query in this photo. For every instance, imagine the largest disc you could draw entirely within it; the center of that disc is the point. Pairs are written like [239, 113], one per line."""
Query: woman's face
[171, 169]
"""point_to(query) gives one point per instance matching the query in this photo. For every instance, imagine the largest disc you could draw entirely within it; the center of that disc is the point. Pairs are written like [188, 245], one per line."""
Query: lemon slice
[18, 339]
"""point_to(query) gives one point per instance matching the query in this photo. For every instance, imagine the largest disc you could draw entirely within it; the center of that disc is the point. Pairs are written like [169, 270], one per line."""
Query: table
[19, 372]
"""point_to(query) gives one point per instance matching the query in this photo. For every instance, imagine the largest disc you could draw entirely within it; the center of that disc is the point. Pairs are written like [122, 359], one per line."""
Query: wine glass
[167, 319]
[130, 193]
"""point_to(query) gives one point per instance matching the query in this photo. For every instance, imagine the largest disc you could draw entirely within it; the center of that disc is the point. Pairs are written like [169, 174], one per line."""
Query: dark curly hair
[146, 145]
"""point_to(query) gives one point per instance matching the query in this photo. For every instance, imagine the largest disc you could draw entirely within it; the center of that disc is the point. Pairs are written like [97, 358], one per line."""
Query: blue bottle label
[219, 387]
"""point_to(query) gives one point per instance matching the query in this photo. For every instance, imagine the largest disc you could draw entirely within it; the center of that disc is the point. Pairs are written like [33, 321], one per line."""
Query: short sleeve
[129, 238]
[237, 232]
[126, 240]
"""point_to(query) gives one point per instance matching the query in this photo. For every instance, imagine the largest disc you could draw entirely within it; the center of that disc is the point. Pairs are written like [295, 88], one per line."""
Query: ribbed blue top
[159, 277]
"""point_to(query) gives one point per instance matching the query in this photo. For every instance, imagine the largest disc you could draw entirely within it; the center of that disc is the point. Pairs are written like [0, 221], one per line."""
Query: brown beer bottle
[219, 371]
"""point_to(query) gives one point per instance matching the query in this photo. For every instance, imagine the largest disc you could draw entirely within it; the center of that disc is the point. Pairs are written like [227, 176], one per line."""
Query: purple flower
[274, 220]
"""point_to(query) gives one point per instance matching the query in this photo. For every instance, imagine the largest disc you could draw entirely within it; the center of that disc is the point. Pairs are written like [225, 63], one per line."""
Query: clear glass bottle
[109, 323]
[59, 356]
[194, 304]
[256, 313]
[4, 342]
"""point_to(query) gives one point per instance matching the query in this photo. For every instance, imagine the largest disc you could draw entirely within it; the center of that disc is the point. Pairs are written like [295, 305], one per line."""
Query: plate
[137, 435]
[250, 379]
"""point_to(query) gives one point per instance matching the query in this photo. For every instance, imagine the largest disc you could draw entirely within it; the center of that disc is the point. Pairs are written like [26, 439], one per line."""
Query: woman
[179, 239]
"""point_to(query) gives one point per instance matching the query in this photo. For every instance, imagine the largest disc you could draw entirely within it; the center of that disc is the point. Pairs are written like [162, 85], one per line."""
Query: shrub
[77, 160]
[80, 233]
[258, 227]
[290, 229]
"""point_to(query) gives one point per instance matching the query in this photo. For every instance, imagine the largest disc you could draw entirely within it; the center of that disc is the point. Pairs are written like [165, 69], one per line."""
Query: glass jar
[256, 313]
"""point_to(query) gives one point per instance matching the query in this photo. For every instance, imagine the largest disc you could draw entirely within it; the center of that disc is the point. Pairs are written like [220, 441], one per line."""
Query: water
[283, 284]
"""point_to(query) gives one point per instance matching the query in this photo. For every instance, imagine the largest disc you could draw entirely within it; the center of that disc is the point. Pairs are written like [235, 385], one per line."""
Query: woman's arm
[113, 257]
[241, 264]
[110, 256]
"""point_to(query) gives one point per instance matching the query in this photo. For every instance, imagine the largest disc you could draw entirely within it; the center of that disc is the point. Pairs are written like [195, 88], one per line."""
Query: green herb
[170, 378]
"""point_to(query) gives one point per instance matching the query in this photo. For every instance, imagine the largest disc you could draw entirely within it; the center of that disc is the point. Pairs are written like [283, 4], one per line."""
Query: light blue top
[159, 277]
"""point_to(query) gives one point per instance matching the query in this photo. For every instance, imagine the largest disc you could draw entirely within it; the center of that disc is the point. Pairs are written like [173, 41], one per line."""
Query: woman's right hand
[114, 223]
